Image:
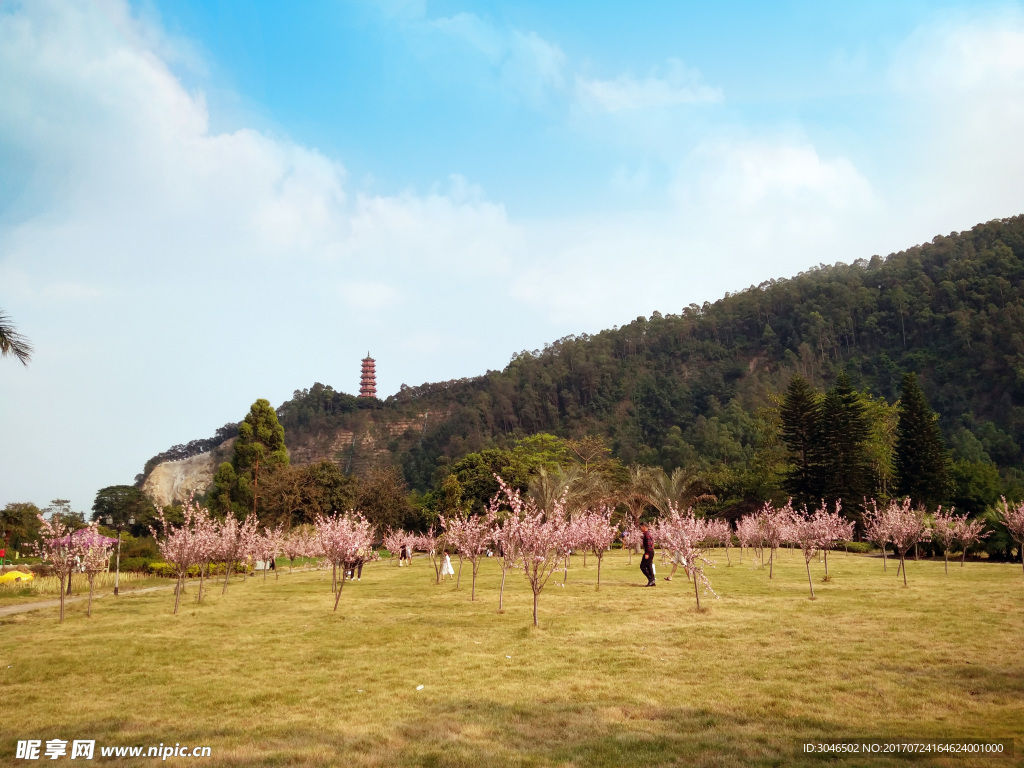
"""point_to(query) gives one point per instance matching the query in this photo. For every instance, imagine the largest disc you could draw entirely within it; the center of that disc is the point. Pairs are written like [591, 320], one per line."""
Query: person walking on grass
[647, 561]
[677, 560]
[446, 568]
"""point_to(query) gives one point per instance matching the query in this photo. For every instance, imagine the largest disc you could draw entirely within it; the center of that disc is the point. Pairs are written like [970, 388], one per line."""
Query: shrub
[860, 547]
[136, 564]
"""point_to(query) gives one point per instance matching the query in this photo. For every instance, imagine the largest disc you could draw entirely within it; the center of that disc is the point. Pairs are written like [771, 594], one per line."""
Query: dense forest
[702, 388]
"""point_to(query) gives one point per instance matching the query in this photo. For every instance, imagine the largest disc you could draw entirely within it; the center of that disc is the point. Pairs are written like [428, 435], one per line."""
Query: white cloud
[679, 85]
[521, 63]
[370, 296]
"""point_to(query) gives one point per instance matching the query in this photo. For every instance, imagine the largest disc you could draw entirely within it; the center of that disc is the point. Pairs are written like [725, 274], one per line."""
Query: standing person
[446, 567]
[647, 562]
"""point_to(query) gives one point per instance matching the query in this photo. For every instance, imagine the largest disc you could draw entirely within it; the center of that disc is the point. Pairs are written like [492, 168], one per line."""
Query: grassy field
[268, 675]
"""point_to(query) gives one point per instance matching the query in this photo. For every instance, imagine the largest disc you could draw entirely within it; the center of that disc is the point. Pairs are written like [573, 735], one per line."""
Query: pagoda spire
[368, 378]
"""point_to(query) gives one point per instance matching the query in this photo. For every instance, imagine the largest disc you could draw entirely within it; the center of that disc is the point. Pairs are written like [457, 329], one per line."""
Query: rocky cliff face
[172, 482]
[356, 449]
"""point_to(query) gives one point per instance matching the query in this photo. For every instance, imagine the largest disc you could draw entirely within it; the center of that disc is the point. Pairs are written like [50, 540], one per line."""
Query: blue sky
[202, 203]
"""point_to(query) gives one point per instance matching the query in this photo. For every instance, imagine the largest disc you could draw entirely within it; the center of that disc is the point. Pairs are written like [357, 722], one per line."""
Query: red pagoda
[368, 379]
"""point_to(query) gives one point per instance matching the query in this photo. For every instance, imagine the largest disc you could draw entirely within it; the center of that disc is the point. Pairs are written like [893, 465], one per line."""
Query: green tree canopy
[843, 437]
[800, 415]
[121, 503]
[19, 524]
[922, 463]
[259, 450]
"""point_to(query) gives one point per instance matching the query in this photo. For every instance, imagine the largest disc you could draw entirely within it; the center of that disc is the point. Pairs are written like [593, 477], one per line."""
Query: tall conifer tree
[845, 468]
[922, 463]
[260, 449]
[800, 414]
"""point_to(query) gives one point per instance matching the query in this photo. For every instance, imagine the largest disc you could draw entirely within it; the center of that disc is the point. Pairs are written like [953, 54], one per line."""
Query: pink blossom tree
[430, 543]
[94, 551]
[632, 538]
[720, 532]
[907, 527]
[682, 534]
[969, 533]
[832, 529]
[296, 544]
[876, 528]
[1013, 518]
[775, 529]
[179, 546]
[268, 546]
[597, 534]
[748, 531]
[57, 546]
[470, 535]
[341, 538]
[506, 511]
[393, 540]
[569, 542]
[807, 531]
[206, 535]
[236, 543]
[540, 542]
[944, 526]
[538, 538]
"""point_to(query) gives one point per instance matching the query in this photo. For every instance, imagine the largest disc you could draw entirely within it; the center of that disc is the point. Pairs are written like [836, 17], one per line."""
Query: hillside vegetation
[701, 387]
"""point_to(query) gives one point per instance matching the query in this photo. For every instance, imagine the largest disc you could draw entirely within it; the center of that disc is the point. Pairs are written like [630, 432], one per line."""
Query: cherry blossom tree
[236, 543]
[506, 510]
[268, 546]
[597, 534]
[470, 535]
[807, 531]
[720, 532]
[1013, 518]
[568, 542]
[774, 529]
[430, 543]
[179, 546]
[876, 528]
[296, 544]
[393, 540]
[94, 551]
[538, 537]
[969, 533]
[632, 538]
[907, 527]
[748, 531]
[341, 538]
[832, 528]
[539, 542]
[57, 546]
[944, 525]
[682, 534]
[206, 534]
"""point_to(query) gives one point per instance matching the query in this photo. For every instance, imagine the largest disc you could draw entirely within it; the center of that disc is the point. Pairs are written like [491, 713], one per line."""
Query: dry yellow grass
[268, 675]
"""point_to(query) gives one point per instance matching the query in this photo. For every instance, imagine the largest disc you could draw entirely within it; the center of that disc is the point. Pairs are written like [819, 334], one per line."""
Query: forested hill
[692, 387]
[686, 387]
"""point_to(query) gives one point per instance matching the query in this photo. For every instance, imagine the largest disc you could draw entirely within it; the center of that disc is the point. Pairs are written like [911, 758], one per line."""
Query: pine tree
[259, 449]
[845, 467]
[922, 463]
[800, 414]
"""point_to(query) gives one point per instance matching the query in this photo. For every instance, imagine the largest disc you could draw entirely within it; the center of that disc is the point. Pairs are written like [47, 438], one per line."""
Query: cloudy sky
[202, 203]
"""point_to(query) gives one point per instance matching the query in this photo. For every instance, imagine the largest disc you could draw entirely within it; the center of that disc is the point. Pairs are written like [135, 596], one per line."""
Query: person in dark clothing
[647, 561]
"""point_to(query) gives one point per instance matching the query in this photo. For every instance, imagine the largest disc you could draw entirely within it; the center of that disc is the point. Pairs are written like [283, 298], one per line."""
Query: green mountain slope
[690, 387]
